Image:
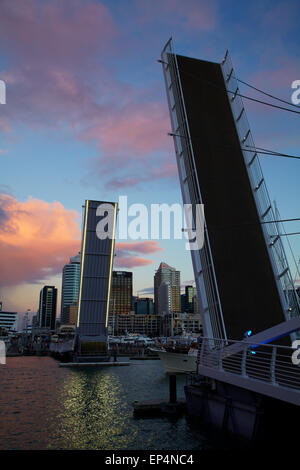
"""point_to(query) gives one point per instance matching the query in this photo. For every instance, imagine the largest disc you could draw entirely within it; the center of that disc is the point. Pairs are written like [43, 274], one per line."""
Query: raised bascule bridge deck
[241, 272]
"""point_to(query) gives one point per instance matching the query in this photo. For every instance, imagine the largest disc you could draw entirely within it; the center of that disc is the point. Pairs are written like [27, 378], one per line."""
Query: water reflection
[43, 406]
[95, 413]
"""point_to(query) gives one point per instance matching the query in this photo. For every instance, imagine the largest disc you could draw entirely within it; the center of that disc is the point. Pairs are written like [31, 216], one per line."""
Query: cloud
[188, 15]
[60, 76]
[54, 53]
[126, 253]
[36, 239]
[139, 247]
[146, 290]
[140, 128]
[131, 262]
[54, 31]
[188, 283]
[163, 170]
[277, 78]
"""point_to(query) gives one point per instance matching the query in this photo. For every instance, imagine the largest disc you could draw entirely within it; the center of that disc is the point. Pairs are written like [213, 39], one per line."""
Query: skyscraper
[219, 167]
[164, 299]
[144, 306]
[47, 307]
[121, 293]
[190, 293]
[70, 282]
[168, 275]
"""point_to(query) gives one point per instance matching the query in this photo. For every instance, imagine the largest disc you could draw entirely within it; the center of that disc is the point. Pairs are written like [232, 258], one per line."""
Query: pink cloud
[163, 170]
[277, 78]
[200, 16]
[58, 79]
[36, 239]
[139, 128]
[55, 32]
[5, 125]
[187, 15]
[131, 262]
[54, 52]
[126, 253]
[147, 246]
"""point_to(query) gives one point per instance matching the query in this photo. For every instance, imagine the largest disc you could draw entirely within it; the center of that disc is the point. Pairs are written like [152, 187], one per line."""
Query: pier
[149, 408]
[94, 364]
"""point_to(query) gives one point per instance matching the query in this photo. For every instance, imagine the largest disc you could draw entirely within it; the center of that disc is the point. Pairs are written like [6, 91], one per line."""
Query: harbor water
[43, 406]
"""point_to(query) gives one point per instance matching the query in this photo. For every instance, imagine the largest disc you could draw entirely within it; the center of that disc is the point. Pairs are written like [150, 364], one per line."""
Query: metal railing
[264, 362]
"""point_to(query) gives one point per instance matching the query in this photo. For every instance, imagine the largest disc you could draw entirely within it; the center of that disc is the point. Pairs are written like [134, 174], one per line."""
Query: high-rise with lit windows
[121, 293]
[168, 275]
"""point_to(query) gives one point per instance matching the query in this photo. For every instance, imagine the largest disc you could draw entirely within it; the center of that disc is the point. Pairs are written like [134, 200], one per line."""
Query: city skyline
[86, 117]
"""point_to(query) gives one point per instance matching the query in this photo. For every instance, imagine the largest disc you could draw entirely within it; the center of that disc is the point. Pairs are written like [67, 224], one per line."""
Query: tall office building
[167, 275]
[219, 167]
[164, 299]
[183, 302]
[144, 306]
[190, 293]
[47, 307]
[70, 282]
[121, 293]
[69, 314]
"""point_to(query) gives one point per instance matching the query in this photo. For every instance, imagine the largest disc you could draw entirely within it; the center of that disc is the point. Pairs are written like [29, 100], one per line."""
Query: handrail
[245, 341]
[248, 362]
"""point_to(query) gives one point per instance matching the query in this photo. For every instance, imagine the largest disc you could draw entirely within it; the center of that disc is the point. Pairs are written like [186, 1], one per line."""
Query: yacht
[178, 355]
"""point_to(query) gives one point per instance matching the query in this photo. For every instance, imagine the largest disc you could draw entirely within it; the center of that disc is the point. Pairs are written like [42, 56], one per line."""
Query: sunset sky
[86, 118]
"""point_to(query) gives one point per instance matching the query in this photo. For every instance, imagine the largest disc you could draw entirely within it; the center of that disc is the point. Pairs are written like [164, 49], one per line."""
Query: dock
[93, 364]
[158, 407]
[144, 358]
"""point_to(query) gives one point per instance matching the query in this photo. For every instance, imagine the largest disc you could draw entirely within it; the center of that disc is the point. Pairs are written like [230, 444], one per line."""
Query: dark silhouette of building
[190, 293]
[47, 307]
[144, 306]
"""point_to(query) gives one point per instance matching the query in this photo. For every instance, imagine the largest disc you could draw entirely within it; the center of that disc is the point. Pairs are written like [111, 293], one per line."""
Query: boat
[178, 356]
[62, 343]
[131, 338]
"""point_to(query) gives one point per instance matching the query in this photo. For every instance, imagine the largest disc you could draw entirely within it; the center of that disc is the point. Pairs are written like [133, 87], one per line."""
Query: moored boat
[178, 356]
